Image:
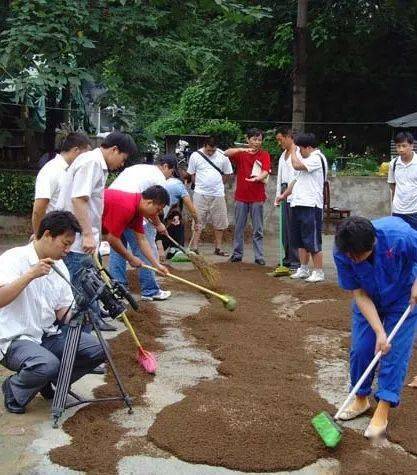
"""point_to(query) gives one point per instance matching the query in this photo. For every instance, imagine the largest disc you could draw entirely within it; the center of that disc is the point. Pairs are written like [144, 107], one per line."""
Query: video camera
[91, 286]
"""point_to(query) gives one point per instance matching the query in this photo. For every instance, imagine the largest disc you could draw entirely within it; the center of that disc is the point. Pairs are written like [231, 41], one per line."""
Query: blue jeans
[117, 264]
[75, 261]
[242, 210]
[392, 366]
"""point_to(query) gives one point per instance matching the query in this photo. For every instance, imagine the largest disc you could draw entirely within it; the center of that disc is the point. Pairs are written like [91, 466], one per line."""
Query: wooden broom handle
[223, 298]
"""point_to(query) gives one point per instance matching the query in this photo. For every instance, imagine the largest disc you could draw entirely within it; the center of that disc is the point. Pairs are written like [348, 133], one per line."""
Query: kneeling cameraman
[32, 298]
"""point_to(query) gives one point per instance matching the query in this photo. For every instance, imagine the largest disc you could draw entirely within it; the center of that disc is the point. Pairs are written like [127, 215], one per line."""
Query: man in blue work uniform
[378, 262]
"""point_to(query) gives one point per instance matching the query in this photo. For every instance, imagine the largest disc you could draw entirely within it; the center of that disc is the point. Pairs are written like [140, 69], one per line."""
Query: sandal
[219, 252]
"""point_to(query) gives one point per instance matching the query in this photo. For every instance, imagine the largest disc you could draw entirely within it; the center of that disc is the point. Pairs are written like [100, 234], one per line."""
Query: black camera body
[92, 287]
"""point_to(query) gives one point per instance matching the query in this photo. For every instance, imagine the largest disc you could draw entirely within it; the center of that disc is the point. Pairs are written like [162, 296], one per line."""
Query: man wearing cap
[136, 179]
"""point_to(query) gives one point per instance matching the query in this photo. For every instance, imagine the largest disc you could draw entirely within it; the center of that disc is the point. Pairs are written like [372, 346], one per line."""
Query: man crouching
[33, 299]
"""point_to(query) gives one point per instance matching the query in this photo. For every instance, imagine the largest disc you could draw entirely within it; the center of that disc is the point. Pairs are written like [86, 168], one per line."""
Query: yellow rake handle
[123, 315]
[223, 298]
[132, 331]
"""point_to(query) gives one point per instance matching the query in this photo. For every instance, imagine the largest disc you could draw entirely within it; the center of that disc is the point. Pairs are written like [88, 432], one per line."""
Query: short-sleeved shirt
[286, 173]
[121, 211]
[246, 191]
[85, 177]
[308, 189]
[388, 277]
[49, 179]
[137, 178]
[405, 179]
[176, 190]
[32, 313]
[208, 181]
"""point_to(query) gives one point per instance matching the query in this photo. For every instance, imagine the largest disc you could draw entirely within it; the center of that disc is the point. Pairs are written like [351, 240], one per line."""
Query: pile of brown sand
[257, 418]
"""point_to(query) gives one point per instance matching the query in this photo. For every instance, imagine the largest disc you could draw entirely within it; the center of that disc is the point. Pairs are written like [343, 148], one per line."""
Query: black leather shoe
[235, 259]
[9, 401]
[260, 262]
[48, 392]
[105, 327]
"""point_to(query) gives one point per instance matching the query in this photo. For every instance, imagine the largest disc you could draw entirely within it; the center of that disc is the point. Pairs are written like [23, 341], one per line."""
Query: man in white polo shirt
[51, 175]
[286, 175]
[307, 206]
[136, 179]
[32, 298]
[210, 167]
[402, 179]
[82, 193]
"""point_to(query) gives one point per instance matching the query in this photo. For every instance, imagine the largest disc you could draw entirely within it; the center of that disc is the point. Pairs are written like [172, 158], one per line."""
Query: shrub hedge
[17, 191]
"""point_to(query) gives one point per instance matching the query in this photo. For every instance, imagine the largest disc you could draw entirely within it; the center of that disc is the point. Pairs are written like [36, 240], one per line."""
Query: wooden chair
[332, 215]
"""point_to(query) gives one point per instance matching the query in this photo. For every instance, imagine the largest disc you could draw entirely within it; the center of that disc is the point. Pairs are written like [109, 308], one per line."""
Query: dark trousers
[291, 252]
[36, 364]
[411, 219]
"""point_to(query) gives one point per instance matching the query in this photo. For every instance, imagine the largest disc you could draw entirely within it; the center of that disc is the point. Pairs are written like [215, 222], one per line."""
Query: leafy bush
[360, 165]
[17, 192]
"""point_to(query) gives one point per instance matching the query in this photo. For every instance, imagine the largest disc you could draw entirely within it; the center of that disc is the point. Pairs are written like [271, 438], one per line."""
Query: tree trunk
[300, 69]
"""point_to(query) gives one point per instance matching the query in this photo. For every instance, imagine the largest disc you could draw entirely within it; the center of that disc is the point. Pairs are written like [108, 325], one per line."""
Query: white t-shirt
[208, 181]
[32, 312]
[86, 176]
[308, 189]
[137, 178]
[405, 179]
[286, 172]
[49, 179]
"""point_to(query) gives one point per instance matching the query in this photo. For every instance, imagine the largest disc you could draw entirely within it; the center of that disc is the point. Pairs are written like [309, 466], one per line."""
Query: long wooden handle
[223, 298]
[182, 248]
[372, 364]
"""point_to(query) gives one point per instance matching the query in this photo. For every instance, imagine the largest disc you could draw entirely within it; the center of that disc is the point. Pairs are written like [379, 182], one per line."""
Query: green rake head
[329, 432]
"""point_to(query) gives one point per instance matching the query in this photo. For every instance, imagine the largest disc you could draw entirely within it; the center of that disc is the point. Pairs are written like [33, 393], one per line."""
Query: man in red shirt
[253, 166]
[124, 210]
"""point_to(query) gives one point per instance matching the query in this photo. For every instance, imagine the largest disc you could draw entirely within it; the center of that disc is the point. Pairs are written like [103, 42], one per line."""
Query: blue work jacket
[388, 277]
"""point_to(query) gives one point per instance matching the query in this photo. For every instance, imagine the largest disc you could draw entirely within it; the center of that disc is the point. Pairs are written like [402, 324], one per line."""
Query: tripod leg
[126, 397]
[65, 370]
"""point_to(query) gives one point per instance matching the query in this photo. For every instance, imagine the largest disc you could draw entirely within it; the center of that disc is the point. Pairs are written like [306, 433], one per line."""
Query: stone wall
[364, 196]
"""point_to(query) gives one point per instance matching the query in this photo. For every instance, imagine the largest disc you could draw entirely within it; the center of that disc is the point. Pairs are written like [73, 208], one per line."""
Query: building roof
[405, 121]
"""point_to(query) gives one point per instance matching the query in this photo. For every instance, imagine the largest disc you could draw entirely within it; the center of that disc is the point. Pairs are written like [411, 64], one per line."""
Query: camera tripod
[62, 389]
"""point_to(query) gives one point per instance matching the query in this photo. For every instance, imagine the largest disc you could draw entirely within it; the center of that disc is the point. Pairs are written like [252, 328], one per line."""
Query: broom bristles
[329, 432]
[209, 273]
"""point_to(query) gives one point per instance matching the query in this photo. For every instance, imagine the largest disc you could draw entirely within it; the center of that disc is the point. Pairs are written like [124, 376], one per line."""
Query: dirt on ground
[256, 417]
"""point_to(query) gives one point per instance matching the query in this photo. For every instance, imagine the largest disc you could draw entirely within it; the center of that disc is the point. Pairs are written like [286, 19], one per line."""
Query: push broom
[207, 271]
[324, 424]
[228, 301]
[281, 270]
[145, 358]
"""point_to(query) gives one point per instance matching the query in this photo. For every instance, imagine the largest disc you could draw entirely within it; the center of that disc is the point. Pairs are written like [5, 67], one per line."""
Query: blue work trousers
[392, 366]
[117, 264]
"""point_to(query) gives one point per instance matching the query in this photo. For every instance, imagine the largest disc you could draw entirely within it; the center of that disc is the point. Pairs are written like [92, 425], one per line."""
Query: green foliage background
[17, 193]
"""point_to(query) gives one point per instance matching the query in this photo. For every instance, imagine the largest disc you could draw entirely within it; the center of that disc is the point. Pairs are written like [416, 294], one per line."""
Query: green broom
[324, 423]
[281, 270]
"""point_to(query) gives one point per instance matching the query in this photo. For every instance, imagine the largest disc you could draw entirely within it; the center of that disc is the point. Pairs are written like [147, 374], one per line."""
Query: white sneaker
[300, 274]
[161, 295]
[316, 276]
